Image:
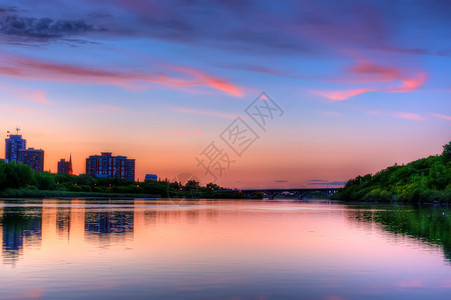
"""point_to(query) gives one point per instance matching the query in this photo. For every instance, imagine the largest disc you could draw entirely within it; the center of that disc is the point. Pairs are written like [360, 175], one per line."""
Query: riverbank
[426, 180]
[25, 193]
[20, 181]
[32, 193]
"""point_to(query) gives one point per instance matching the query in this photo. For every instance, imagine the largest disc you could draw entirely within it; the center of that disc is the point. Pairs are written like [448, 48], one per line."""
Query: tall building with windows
[14, 143]
[32, 157]
[108, 166]
[65, 167]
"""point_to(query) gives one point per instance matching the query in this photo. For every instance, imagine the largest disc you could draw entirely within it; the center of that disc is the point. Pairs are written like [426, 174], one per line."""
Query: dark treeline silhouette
[423, 180]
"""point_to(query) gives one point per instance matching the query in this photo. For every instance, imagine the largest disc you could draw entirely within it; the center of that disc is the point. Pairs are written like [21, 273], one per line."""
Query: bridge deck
[299, 192]
[291, 190]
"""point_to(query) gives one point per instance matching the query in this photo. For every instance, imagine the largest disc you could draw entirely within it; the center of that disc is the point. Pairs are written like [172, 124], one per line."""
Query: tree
[15, 175]
[213, 186]
[192, 183]
[45, 180]
[447, 151]
[85, 179]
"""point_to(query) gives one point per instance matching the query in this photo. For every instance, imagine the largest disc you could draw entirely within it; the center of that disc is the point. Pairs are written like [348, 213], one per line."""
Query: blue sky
[363, 84]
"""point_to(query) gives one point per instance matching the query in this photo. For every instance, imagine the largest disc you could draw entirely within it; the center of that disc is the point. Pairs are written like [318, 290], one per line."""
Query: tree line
[424, 180]
[17, 179]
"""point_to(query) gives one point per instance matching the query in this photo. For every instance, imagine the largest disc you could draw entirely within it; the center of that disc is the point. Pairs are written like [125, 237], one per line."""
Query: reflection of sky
[159, 80]
[226, 249]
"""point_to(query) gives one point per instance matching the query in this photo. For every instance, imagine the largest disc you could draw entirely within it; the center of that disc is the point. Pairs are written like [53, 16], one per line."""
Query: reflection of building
[63, 221]
[13, 144]
[108, 166]
[65, 167]
[32, 157]
[119, 222]
[151, 177]
[64, 227]
[19, 226]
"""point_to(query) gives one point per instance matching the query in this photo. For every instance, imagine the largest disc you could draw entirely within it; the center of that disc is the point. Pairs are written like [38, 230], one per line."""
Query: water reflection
[106, 223]
[99, 222]
[63, 215]
[430, 224]
[141, 249]
[20, 226]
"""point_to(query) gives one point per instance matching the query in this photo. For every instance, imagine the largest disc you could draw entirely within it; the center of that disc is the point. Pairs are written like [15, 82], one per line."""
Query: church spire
[70, 164]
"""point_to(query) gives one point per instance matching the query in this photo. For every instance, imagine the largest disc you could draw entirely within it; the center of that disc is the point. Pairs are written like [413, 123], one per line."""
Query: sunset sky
[360, 85]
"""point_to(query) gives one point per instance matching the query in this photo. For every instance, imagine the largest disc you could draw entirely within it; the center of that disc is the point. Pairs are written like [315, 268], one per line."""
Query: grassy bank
[26, 193]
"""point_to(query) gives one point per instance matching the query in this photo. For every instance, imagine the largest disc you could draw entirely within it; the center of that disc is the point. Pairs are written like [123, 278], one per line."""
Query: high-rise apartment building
[14, 143]
[108, 166]
[32, 157]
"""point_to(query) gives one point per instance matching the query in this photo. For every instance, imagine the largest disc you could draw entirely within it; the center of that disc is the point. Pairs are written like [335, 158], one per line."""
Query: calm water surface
[150, 249]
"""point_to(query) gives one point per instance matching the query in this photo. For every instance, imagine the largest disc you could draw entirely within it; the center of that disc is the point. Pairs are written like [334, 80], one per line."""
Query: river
[223, 249]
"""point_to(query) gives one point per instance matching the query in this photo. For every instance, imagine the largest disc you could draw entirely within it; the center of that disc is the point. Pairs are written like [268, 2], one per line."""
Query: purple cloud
[294, 27]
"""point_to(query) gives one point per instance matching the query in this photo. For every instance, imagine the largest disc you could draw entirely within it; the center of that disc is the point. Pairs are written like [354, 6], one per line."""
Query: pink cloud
[338, 95]
[217, 83]
[365, 71]
[410, 116]
[204, 112]
[39, 96]
[374, 71]
[44, 70]
[412, 83]
[26, 94]
[442, 116]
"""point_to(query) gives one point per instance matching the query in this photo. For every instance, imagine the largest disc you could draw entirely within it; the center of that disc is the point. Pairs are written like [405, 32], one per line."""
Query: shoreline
[41, 194]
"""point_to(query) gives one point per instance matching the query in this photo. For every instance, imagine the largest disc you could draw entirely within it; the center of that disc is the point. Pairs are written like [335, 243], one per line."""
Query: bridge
[298, 193]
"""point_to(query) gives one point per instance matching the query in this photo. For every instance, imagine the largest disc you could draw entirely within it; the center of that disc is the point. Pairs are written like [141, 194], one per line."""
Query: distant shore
[26, 193]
